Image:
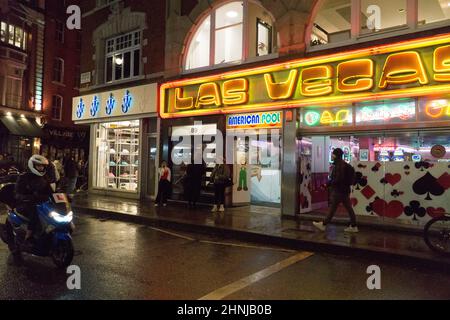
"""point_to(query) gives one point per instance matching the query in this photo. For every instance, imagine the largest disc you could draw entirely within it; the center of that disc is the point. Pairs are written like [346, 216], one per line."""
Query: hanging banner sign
[407, 69]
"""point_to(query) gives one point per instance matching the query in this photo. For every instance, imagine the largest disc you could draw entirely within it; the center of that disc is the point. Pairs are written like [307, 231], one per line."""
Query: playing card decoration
[414, 209]
[435, 212]
[422, 165]
[444, 181]
[360, 180]
[393, 209]
[396, 193]
[376, 167]
[305, 197]
[416, 191]
[428, 185]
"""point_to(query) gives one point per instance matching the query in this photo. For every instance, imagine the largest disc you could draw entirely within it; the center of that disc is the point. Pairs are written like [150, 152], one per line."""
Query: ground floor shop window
[188, 145]
[402, 176]
[117, 160]
[257, 169]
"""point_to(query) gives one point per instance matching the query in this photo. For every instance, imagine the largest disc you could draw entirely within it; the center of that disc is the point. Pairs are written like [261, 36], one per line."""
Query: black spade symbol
[360, 180]
[428, 184]
[308, 167]
[406, 167]
[383, 181]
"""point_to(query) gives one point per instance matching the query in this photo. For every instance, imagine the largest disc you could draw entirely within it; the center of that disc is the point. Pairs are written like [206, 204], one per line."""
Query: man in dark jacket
[32, 188]
[339, 192]
[71, 174]
[194, 176]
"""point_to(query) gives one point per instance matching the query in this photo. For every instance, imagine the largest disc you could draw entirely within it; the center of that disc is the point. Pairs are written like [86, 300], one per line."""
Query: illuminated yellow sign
[408, 69]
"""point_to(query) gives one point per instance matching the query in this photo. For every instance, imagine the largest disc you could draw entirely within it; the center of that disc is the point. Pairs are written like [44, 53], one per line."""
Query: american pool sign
[259, 120]
[407, 69]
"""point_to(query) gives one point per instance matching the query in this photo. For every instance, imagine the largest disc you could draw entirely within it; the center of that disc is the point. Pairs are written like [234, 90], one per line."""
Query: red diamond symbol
[368, 192]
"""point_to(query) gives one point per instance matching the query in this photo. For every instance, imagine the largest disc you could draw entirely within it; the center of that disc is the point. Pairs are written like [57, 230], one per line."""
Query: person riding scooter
[32, 188]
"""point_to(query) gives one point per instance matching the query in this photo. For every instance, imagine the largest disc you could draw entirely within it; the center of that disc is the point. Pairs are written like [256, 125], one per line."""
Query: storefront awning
[22, 126]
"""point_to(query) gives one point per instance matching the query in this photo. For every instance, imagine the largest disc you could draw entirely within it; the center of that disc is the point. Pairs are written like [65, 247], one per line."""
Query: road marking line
[245, 282]
[248, 246]
[173, 234]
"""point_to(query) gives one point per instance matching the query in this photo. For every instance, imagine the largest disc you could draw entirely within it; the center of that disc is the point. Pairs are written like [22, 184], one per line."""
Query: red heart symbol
[444, 181]
[354, 201]
[379, 207]
[435, 212]
[392, 179]
[393, 209]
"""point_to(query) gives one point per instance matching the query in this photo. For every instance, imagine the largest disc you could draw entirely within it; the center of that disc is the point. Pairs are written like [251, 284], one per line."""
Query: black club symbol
[414, 209]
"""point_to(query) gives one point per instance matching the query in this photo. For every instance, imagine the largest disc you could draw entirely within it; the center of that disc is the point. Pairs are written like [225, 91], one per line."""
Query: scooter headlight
[60, 218]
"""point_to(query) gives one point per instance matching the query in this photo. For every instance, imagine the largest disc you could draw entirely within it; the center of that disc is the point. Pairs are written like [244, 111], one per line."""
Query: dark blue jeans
[219, 193]
[335, 199]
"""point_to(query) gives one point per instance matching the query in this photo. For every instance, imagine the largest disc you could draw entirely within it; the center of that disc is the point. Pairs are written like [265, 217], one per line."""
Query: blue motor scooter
[53, 237]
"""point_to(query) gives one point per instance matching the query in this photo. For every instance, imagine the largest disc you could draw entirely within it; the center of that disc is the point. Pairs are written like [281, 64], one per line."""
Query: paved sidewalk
[252, 223]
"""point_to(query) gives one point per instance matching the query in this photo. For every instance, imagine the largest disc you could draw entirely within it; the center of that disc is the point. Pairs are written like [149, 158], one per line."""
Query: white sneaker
[351, 229]
[221, 209]
[214, 209]
[319, 225]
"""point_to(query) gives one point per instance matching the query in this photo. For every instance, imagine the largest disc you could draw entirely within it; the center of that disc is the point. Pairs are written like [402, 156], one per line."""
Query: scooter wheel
[62, 254]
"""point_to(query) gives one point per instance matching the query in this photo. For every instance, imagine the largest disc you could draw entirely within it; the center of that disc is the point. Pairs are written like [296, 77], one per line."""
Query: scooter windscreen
[60, 204]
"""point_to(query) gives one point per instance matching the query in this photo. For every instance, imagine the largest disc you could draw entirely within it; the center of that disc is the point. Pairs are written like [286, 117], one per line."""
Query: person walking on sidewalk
[71, 175]
[219, 177]
[163, 184]
[341, 179]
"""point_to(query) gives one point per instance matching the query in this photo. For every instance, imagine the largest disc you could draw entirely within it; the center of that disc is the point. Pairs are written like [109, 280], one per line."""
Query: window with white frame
[58, 70]
[13, 92]
[357, 20]
[13, 35]
[123, 57]
[230, 33]
[59, 31]
[57, 107]
[264, 38]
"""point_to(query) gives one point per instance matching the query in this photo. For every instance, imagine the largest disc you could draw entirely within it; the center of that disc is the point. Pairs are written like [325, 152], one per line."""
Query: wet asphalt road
[125, 261]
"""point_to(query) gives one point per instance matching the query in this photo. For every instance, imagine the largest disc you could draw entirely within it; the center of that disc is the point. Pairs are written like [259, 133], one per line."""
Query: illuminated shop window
[332, 23]
[339, 21]
[377, 16]
[220, 37]
[123, 56]
[431, 11]
[117, 156]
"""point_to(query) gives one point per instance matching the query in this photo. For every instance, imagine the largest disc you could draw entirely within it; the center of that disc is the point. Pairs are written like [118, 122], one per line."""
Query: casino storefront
[387, 107]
